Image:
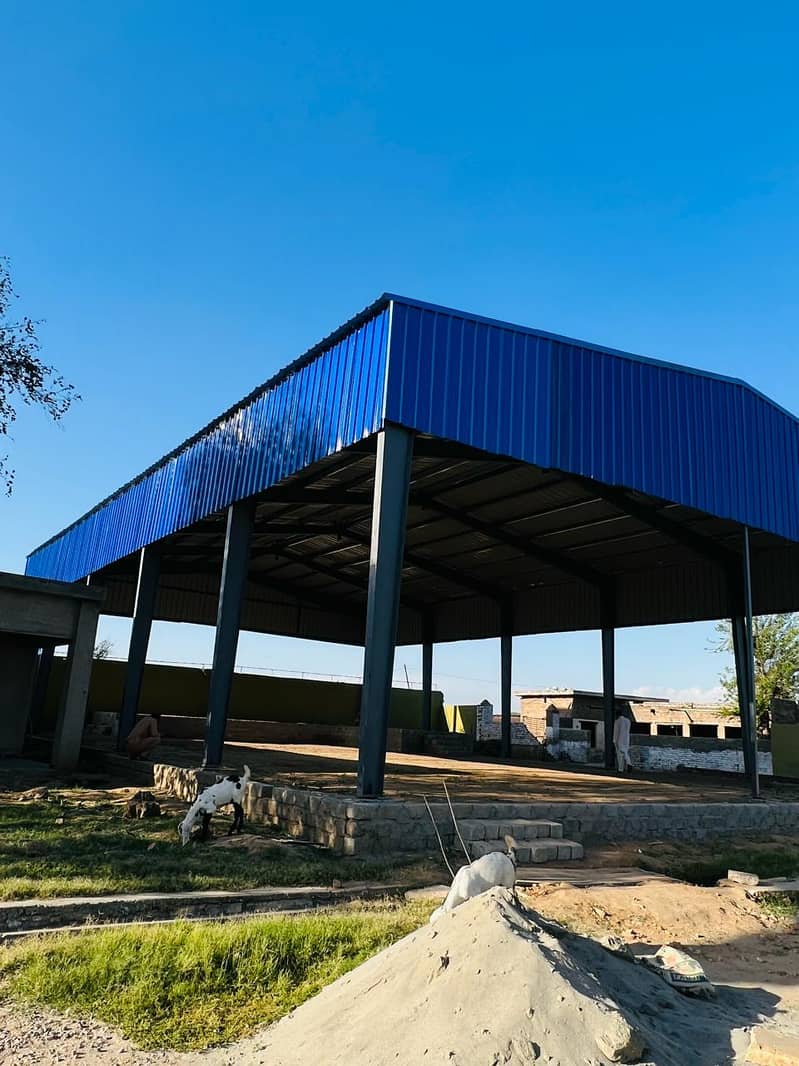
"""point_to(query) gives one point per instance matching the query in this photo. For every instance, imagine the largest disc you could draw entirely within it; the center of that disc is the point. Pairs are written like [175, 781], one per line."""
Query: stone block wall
[365, 828]
[601, 822]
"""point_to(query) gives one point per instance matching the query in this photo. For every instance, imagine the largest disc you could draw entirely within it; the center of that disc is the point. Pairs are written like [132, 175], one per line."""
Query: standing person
[621, 742]
[144, 737]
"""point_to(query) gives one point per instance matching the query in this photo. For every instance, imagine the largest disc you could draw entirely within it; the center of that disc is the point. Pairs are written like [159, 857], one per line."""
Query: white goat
[496, 869]
[228, 791]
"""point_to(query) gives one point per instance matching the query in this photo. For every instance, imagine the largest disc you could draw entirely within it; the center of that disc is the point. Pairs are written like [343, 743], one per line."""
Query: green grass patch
[707, 864]
[766, 862]
[48, 849]
[193, 985]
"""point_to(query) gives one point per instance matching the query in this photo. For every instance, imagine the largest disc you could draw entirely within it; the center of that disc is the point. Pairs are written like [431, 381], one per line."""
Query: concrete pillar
[75, 692]
[505, 685]
[389, 513]
[240, 521]
[721, 732]
[143, 610]
[685, 729]
[608, 612]
[19, 660]
[427, 677]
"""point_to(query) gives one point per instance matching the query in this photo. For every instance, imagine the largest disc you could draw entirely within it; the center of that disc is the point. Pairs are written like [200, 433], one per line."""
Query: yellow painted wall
[183, 690]
[461, 717]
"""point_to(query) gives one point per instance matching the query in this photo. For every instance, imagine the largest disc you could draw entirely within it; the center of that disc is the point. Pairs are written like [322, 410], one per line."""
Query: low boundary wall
[351, 826]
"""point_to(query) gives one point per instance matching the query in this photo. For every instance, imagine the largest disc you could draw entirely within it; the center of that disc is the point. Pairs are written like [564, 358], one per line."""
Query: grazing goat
[497, 868]
[228, 791]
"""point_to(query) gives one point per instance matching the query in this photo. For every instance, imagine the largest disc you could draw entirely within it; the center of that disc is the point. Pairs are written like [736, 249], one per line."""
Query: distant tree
[102, 649]
[776, 647]
[24, 378]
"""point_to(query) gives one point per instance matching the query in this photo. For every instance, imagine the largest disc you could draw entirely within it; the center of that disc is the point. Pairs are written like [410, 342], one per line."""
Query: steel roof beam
[524, 545]
[333, 604]
[446, 573]
[335, 573]
[321, 497]
[652, 515]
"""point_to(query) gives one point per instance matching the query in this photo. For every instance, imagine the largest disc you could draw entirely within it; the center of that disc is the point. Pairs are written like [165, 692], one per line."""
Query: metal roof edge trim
[588, 346]
[331, 339]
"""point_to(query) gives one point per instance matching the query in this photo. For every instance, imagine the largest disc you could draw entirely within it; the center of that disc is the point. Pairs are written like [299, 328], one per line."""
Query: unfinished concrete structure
[426, 475]
[36, 617]
[583, 709]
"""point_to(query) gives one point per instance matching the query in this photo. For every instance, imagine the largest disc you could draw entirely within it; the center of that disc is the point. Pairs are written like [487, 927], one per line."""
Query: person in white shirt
[621, 742]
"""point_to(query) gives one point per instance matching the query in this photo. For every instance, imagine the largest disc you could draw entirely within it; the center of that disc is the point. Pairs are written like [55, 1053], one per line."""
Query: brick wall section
[672, 753]
[646, 752]
[350, 826]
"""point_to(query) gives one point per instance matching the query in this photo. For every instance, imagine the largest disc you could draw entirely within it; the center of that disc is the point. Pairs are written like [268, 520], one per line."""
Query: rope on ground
[457, 830]
[438, 836]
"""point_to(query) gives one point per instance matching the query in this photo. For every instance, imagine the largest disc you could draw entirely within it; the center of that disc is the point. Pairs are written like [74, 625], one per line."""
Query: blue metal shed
[528, 483]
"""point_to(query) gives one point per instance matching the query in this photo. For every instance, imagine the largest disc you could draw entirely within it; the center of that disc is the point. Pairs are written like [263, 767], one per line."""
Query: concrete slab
[39, 914]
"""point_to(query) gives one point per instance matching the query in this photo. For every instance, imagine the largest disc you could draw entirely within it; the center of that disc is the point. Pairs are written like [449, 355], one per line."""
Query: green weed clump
[783, 907]
[193, 985]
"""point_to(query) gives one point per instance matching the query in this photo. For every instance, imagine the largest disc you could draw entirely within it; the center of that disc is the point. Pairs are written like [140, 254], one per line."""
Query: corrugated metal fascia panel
[314, 408]
[574, 342]
[708, 443]
[676, 433]
[480, 383]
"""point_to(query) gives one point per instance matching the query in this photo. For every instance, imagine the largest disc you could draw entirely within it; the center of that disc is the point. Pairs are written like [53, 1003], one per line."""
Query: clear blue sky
[192, 194]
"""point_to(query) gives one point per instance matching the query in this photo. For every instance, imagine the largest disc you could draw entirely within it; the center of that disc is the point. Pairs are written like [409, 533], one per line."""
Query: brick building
[582, 709]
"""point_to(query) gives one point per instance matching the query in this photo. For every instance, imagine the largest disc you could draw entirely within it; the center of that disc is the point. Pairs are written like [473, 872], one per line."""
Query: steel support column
[389, 513]
[427, 675]
[608, 622]
[143, 610]
[751, 715]
[506, 668]
[240, 519]
[739, 646]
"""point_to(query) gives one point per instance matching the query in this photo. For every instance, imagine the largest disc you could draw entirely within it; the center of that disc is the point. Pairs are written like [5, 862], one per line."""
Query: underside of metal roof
[543, 470]
[481, 531]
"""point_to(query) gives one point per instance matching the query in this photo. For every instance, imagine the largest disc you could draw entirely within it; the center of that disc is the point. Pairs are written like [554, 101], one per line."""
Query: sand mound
[492, 983]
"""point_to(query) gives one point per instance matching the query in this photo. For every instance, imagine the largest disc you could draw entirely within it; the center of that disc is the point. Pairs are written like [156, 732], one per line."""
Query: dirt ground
[473, 779]
[739, 945]
[729, 934]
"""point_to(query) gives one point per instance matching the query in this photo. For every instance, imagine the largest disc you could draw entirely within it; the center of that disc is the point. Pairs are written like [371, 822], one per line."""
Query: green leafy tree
[24, 378]
[776, 647]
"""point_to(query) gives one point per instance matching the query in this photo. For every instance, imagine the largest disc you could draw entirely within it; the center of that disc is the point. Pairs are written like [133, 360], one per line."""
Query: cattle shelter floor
[474, 779]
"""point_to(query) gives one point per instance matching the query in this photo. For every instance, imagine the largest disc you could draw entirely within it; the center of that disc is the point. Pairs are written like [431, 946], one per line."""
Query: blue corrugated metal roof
[679, 434]
[684, 435]
[325, 401]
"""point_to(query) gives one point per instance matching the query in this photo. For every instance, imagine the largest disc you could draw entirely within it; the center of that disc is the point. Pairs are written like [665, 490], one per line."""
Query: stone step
[519, 828]
[532, 851]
